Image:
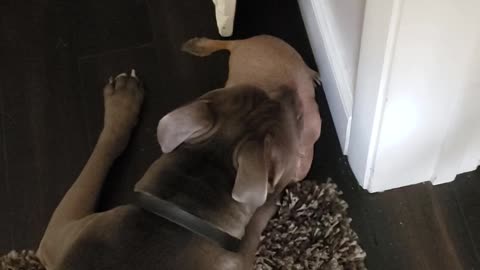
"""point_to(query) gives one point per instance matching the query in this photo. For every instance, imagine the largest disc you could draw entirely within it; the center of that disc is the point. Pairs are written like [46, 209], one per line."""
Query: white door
[416, 101]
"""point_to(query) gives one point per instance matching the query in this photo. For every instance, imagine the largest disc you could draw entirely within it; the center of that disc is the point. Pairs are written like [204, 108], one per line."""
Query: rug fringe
[21, 260]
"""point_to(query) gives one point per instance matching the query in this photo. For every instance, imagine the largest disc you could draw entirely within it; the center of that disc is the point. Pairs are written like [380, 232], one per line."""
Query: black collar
[190, 222]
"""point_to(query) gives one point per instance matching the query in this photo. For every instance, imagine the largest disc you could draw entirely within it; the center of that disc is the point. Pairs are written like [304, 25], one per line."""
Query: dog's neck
[200, 186]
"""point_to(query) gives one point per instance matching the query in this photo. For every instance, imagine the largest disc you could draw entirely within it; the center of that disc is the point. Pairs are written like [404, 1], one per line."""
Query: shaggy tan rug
[24, 260]
[310, 231]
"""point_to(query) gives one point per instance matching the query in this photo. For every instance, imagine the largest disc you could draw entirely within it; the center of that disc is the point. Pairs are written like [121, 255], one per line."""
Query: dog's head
[260, 131]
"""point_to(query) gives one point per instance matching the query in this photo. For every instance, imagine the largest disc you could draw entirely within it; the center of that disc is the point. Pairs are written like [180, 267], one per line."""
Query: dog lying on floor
[227, 155]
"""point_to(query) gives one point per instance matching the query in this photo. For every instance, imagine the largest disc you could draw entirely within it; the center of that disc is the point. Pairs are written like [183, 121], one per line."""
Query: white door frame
[318, 18]
[380, 29]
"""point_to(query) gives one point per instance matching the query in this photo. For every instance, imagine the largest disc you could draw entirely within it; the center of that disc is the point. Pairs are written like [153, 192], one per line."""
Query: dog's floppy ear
[187, 122]
[257, 173]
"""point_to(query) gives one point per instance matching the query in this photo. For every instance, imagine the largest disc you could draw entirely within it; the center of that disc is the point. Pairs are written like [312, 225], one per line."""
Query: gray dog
[227, 156]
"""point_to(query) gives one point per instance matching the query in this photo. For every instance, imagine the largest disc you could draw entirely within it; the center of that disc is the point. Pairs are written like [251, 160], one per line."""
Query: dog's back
[128, 238]
[268, 62]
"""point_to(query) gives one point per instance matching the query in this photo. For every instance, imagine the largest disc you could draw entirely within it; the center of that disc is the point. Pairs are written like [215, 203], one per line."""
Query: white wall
[334, 28]
[416, 112]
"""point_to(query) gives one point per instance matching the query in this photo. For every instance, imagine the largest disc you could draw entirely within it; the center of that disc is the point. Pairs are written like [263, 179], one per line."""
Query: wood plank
[5, 190]
[42, 115]
[19, 176]
[466, 189]
[103, 26]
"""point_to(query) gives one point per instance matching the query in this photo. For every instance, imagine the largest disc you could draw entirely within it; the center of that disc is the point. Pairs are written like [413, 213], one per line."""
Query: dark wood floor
[55, 57]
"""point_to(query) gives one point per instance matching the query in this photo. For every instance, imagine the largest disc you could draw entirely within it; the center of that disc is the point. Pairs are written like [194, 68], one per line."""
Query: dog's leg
[204, 46]
[122, 100]
[254, 230]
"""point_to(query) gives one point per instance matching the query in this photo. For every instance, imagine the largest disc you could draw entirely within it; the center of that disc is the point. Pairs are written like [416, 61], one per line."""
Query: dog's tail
[204, 46]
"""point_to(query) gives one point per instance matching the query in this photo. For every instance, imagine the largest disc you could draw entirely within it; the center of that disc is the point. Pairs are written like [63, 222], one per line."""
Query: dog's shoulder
[128, 237]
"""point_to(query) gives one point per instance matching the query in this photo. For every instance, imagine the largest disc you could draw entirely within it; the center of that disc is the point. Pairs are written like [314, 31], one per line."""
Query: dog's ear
[258, 171]
[187, 122]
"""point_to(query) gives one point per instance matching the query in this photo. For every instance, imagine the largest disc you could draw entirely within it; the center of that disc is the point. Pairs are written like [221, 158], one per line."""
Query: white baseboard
[334, 76]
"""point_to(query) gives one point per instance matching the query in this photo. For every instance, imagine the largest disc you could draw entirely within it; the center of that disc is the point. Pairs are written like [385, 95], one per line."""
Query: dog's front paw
[123, 97]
